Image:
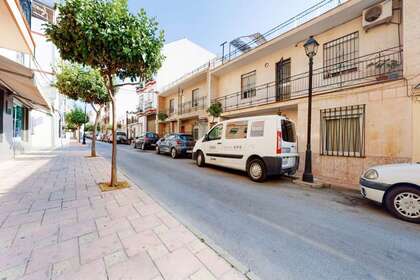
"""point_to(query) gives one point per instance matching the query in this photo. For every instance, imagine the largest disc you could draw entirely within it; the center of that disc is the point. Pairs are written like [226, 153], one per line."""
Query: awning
[20, 80]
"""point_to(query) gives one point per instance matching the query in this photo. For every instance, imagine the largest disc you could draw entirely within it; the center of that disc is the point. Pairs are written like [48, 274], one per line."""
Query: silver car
[176, 144]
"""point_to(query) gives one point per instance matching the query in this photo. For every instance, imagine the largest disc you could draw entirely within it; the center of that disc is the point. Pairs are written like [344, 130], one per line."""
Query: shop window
[343, 131]
[236, 130]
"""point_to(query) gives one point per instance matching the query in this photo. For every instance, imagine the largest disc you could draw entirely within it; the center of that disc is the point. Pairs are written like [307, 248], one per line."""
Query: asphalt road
[278, 230]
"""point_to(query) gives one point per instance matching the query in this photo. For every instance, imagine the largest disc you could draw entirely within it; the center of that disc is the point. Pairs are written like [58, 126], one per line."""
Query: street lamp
[84, 128]
[311, 48]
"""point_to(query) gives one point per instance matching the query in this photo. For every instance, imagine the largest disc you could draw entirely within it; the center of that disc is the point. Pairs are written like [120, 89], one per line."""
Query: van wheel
[256, 170]
[174, 153]
[200, 159]
[404, 203]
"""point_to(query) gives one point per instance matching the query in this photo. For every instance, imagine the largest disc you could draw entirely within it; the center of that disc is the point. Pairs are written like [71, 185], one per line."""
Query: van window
[236, 130]
[288, 131]
[257, 129]
[216, 133]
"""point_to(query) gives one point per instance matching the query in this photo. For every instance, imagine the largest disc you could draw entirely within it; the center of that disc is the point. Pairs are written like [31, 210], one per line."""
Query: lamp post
[84, 129]
[311, 47]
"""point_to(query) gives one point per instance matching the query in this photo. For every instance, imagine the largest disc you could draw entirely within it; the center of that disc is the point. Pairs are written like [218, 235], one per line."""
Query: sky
[212, 22]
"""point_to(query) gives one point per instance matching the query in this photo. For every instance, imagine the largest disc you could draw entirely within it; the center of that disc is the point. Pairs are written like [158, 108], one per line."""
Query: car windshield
[151, 135]
[186, 137]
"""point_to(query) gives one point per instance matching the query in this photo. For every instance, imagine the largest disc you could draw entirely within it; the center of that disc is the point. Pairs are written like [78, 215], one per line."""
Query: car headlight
[371, 174]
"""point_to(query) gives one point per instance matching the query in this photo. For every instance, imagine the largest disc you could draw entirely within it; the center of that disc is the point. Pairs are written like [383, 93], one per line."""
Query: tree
[75, 119]
[86, 84]
[106, 36]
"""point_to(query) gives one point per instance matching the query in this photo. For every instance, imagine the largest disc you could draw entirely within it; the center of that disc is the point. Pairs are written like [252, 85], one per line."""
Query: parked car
[146, 140]
[121, 137]
[395, 186]
[176, 144]
[261, 146]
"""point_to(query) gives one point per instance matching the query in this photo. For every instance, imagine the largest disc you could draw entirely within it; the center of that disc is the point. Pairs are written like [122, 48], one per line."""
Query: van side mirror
[206, 138]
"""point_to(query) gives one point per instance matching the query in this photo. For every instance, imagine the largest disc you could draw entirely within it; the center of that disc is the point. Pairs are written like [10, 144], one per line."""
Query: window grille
[340, 55]
[343, 131]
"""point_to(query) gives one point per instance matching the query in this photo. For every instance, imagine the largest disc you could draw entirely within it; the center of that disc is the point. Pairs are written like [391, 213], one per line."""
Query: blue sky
[211, 22]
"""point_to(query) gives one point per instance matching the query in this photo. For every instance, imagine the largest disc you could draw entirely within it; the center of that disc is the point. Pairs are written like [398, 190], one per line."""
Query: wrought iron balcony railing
[26, 8]
[193, 106]
[374, 68]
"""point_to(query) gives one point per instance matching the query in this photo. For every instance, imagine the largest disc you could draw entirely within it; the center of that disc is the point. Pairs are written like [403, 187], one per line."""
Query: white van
[261, 146]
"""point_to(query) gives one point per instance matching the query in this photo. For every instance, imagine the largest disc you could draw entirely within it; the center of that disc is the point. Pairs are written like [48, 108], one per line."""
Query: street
[279, 230]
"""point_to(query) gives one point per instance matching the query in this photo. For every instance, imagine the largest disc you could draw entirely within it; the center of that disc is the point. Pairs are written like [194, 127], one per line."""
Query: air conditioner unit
[378, 14]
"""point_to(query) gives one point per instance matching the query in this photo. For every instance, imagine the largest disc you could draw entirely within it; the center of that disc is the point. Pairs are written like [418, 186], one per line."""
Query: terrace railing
[373, 68]
[193, 106]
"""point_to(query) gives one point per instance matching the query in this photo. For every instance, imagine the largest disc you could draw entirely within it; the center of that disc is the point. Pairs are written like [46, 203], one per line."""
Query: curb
[202, 237]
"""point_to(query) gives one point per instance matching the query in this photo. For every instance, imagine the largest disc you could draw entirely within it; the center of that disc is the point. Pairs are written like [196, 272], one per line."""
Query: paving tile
[202, 274]
[6, 236]
[89, 213]
[145, 223]
[45, 256]
[140, 242]
[115, 258]
[59, 216]
[179, 264]
[36, 236]
[157, 252]
[176, 237]
[92, 271]
[43, 274]
[73, 230]
[106, 226]
[149, 209]
[14, 256]
[124, 211]
[14, 220]
[138, 267]
[61, 268]
[213, 262]
[12, 273]
[99, 248]
[233, 274]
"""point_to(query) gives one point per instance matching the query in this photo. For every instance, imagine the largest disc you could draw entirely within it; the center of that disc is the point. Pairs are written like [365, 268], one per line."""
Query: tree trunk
[95, 127]
[114, 179]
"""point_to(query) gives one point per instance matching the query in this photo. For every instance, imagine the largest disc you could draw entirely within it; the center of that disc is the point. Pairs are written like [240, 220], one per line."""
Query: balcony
[190, 106]
[378, 67]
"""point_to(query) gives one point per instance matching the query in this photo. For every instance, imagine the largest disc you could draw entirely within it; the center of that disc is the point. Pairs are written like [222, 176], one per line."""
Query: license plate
[189, 151]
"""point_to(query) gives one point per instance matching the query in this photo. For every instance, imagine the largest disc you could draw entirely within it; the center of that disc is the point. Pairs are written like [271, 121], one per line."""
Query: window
[257, 129]
[194, 97]
[288, 131]
[248, 85]
[340, 55]
[343, 131]
[236, 130]
[171, 106]
[215, 133]
[186, 137]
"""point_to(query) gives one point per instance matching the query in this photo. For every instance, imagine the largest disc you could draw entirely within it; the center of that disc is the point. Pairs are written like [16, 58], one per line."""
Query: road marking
[302, 238]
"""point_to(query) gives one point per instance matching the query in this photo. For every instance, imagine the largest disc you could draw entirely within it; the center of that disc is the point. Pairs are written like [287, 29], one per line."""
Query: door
[289, 150]
[283, 87]
[213, 145]
[234, 144]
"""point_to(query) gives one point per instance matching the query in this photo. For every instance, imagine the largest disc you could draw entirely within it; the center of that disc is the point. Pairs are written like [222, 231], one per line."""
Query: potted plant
[162, 116]
[215, 110]
[386, 69]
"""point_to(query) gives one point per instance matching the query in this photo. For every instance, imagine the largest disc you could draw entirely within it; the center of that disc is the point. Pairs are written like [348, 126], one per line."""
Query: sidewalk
[56, 224]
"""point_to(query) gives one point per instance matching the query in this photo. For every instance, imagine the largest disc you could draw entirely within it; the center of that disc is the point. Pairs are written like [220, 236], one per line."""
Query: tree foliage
[215, 110]
[106, 36]
[84, 83]
[76, 118]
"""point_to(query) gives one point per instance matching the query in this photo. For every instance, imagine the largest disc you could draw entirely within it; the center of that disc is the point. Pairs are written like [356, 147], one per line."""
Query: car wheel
[200, 159]
[404, 203]
[256, 170]
[174, 153]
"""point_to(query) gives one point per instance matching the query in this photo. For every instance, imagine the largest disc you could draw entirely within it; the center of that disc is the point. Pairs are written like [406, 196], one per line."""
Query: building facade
[366, 80]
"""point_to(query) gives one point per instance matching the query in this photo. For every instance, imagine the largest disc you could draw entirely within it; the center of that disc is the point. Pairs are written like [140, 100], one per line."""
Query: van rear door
[288, 144]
